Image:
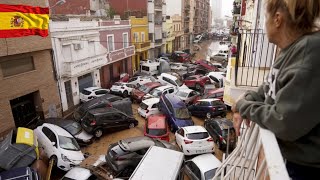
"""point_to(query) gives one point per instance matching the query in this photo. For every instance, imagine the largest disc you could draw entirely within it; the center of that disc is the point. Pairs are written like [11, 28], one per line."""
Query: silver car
[127, 153]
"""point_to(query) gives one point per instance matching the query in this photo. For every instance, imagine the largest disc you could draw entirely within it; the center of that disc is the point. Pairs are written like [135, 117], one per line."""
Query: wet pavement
[207, 47]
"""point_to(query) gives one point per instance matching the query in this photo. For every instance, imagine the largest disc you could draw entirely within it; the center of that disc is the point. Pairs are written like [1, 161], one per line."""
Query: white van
[149, 67]
[168, 79]
[159, 164]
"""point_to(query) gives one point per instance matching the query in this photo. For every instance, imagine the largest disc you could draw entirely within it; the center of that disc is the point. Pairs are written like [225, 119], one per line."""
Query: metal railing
[254, 58]
[257, 156]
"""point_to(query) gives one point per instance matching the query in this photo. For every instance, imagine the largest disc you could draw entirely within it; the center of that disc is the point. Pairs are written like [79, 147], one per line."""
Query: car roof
[79, 173]
[92, 88]
[186, 90]
[223, 123]
[175, 100]
[59, 121]
[103, 110]
[194, 129]
[161, 88]
[152, 84]
[207, 100]
[206, 162]
[151, 101]
[58, 130]
[136, 143]
[99, 100]
[156, 122]
[168, 76]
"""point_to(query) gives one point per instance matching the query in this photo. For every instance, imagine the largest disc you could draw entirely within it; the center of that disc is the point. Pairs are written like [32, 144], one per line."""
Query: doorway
[67, 86]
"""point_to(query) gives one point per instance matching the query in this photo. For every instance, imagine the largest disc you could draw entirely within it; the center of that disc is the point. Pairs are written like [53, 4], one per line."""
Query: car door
[192, 171]
[106, 121]
[203, 108]
[217, 132]
[48, 140]
[211, 130]
[180, 137]
[195, 108]
[119, 120]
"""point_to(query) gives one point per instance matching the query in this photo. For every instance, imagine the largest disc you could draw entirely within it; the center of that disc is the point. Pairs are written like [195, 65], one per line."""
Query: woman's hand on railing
[237, 121]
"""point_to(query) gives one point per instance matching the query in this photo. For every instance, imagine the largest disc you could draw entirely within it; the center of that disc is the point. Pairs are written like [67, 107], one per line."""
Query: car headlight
[65, 158]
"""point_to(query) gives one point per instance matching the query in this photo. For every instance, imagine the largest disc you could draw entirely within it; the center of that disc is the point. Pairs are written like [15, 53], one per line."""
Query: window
[46, 131]
[145, 68]
[66, 52]
[111, 43]
[17, 66]
[150, 36]
[155, 105]
[92, 49]
[136, 37]
[142, 37]
[100, 92]
[181, 132]
[199, 135]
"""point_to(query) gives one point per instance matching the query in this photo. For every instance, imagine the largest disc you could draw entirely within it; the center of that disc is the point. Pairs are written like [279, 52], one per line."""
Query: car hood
[84, 136]
[183, 87]
[74, 156]
[138, 93]
[184, 122]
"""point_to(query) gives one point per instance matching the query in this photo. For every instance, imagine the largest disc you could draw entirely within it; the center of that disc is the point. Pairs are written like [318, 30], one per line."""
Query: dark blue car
[176, 112]
[208, 108]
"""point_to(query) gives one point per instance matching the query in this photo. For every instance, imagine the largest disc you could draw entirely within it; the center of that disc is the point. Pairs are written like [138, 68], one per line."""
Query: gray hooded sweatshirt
[288, 102]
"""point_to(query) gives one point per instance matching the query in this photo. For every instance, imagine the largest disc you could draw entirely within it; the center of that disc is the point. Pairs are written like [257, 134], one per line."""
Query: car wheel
[98, 133]
[131, 125]
[198, 86]
[208, 115]
[54, 160]
[125, 94]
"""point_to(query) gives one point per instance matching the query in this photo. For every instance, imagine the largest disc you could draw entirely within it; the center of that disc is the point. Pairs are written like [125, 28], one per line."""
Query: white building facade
[78, 56]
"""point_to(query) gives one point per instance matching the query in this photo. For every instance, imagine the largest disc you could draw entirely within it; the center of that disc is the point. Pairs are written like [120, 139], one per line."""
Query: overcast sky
[174, 7]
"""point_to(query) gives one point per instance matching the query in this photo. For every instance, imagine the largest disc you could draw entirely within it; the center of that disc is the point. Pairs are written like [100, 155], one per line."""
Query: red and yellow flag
[21, 20]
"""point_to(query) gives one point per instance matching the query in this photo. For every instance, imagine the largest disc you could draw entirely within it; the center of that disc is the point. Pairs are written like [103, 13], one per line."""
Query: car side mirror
[53, 143]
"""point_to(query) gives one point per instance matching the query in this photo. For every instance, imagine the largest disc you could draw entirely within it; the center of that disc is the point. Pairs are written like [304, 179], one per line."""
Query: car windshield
[85, 92]
[68, 143]
[143, 88]
[210, 174]
[117, 84]
[155, 92]
[182, 94]
[179, 82]
[156, 132]
[143, 106]
[199, 135]
[74, 128]
[181, 113]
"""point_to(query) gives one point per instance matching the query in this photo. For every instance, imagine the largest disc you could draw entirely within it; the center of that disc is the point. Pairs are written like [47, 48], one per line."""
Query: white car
[202, 167]
[194, 140]
[187, 95]
[123, 89]
[157, 92]
[178, 67]
[168, 79]
[217, 78]
[92, 92]
[59, 145]
[140, 80]
[149, 107]
[220, 57]
[220, 67]
[197, 39]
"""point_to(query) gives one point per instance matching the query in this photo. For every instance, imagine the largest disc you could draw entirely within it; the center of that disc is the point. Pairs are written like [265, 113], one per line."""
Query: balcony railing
[236, 9]
[158, 41]
[121, 53]
[142, 46]
[254, 59]
[257, 156]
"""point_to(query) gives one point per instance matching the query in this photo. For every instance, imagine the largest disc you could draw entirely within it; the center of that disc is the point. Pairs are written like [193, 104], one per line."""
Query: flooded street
[207, 48]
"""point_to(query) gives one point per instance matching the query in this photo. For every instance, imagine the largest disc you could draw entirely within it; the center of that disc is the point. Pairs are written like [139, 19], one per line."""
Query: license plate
[220, 109]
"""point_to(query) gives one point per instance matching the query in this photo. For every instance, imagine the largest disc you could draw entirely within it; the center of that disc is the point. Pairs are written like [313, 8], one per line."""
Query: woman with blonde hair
[287, 103]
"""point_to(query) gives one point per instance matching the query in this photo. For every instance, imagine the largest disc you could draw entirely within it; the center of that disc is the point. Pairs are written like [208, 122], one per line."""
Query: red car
[206, 64]
[180, 56]
[214, 93]
[137, 94]
[196, 81]
[156, 127]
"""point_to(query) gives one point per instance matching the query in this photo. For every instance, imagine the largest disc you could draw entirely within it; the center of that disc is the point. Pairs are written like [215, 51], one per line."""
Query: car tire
[131, 125]
[54, 160]
[125, 94]
[98, 133]
[198, 87]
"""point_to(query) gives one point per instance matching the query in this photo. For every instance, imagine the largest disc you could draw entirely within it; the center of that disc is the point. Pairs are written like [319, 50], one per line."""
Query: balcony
[236, 9]
[158, 22]
[186, 30]
[121, 53]
[140, 47]
[257, 156]
[76, 68]
[186, 19]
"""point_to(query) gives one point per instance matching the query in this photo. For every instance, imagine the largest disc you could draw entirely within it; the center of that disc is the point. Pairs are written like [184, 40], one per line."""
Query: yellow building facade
[170, 36]
[140, 39]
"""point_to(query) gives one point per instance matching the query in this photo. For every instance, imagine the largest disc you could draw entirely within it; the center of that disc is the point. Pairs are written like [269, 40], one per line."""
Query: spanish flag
[21, 20]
